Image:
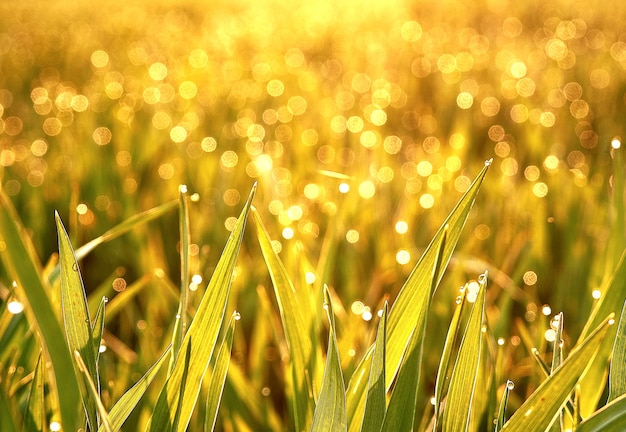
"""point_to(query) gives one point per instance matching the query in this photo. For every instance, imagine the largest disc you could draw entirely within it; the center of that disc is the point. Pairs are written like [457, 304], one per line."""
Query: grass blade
[98, 327]
[20, 261]
[129, 400]
[617, 374]
[610, 418]
[35, 417]
[412, 296]
[458, 409]
[330, 411]
[180, 323]
[204, 330]
[296, 332]
[77, 321]
[218, 375]
[376, 402]
[501, 418]
[95, 393]
[539, 410]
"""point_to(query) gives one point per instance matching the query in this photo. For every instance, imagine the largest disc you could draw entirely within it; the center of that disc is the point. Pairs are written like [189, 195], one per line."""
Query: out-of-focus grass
[363, 123]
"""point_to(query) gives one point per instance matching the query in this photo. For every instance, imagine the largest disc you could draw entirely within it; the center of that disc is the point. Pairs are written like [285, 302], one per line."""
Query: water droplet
[177, 316]
[535, 351]
[75, 267]
[182, 188]
[510, 385]
[462, 289]
[237, 316]
[611, 321]
[458, 300]
[14, 284]
[325, 306]
[482, 279]
[488, 162]
[105, 299]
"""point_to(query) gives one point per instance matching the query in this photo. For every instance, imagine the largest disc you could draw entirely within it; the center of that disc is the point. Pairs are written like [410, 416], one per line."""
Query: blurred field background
[362, 122]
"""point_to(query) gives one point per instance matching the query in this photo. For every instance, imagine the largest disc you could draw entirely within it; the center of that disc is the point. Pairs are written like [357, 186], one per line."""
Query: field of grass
[251, 185]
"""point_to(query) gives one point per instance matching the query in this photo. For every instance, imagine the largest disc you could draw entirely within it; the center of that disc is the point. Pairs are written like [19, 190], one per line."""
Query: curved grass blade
[296, 332]
[617, 374]
[35, 417]
[98, 327]
[95, 394]
[412, 296]
[77, 321]
[116, 231]
[218, 375]
[501, 418]
[376, 401]
[129, 400]
[180, 323]
[19, 259]
[330, 411]
[539, 410]
[610, 418]
[204, 330]
[458, 409]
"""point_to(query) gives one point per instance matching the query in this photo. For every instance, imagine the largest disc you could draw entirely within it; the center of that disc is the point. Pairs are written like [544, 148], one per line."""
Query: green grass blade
[330, 411]
[129, 400]
[218, 375]
[21, 264]
[95, 393]
[180, 323]
[610, 418]
[98, 327]
[35, 417]
[458, 409]
[617, 375]
[412, 296]
[539, 410]
[296, 332]
[501, 417]
[204, 331]
[376, 401]
[76, 317]
[6, 415]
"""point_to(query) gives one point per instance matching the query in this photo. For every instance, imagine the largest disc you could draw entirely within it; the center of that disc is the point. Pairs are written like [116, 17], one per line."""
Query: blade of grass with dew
[330, 411]
[397, 417]
[20, 261]
[609, 418]
[218, 375]
[95, 393]
[402, 317]
[458, 409]
[35, 417]
[557, 358]
[376, 400]
[98, 327]
[501, 417]
[611, 301]
[77, 321]
[296, 331]
[443, 378]
[131, 398]
[204, 330]
[180, 322]
[118, 230]
[617, 374]
[539, 410]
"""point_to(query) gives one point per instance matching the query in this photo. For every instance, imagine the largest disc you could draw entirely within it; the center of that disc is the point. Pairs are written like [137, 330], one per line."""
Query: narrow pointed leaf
[203, 331]
[376, 401]
[402, 317]
[617, 376]
[501, 418]
[296, 332]
[35, 417]
[458, 409]
[610, 418]
[21, 263]
[539, 410]
[218, 375]
[129, 400]
[76, 318]
[98, 328]
[330, 411]
[180, 322]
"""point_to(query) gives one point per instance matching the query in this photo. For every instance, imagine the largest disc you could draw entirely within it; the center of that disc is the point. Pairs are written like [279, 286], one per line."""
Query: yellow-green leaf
[200, 339]
[330, 410]
[610, 418]
[617, 376]
[376, 401]
[539, 410]
[35, 417]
